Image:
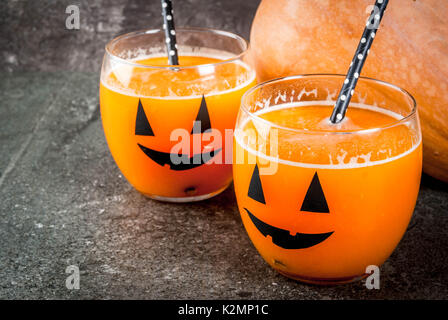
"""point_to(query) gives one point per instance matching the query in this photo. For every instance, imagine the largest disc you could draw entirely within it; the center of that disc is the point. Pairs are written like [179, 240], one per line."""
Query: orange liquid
[369, 181]
[171, 101]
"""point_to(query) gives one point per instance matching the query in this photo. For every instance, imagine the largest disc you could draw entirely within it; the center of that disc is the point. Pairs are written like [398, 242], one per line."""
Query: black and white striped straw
[170, 32]
[348, 88]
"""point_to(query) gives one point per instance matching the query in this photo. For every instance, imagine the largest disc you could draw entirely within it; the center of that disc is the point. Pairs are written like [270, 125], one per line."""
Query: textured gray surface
[63, 200]
[33, 34]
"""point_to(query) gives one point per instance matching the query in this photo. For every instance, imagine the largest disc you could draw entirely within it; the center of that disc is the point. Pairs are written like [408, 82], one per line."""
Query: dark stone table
[64, 202]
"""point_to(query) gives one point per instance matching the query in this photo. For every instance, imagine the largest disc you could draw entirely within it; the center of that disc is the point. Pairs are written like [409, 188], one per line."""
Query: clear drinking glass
[169, 128]
[322, 202]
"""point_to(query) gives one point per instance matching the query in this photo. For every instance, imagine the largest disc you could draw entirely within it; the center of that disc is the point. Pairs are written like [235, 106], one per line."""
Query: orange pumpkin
[411, 50]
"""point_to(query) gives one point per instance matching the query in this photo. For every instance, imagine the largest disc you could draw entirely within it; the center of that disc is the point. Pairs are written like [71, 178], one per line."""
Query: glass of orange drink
[324, 202]
[170, 128]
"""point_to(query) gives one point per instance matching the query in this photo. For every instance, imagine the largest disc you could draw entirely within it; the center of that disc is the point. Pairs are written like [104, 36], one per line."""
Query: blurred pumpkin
[410, 50]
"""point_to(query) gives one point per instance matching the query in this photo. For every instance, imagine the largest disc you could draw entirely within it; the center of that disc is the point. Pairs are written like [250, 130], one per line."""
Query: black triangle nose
[315, 199]
[202, 122]
[142, 126]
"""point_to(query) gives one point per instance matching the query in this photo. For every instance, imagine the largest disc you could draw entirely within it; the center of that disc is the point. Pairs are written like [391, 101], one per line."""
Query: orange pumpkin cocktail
[167, 126]
[322, 202]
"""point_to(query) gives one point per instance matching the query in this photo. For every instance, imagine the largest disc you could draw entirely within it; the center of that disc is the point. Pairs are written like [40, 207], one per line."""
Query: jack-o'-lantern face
[143, 128]
[314, 202]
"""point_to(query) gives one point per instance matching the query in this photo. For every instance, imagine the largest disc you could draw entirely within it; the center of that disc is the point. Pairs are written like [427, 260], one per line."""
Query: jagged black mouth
[284, 239]
[187, 163]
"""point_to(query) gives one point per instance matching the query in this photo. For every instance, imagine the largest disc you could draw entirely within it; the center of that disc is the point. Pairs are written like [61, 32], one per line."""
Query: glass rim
[235, 57]
[409, 115]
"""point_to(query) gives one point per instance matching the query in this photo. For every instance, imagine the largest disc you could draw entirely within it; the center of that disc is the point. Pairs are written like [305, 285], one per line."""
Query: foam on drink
[368, 135]
[130, 79]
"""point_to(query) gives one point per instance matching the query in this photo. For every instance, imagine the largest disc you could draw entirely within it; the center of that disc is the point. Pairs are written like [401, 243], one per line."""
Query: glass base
[322, 281]
[185, 199]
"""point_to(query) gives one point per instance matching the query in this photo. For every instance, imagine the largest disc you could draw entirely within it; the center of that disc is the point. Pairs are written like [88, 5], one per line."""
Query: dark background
[34, 37]
[64, 202]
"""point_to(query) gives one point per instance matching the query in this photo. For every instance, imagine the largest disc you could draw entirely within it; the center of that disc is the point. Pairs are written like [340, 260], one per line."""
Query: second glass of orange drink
[169, 128]
[322, 202]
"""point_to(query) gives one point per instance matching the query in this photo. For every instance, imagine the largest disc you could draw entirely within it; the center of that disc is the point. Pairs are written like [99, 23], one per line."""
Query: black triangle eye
[142, 126]
[315, 199]
[255, 189]
[202, 122]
